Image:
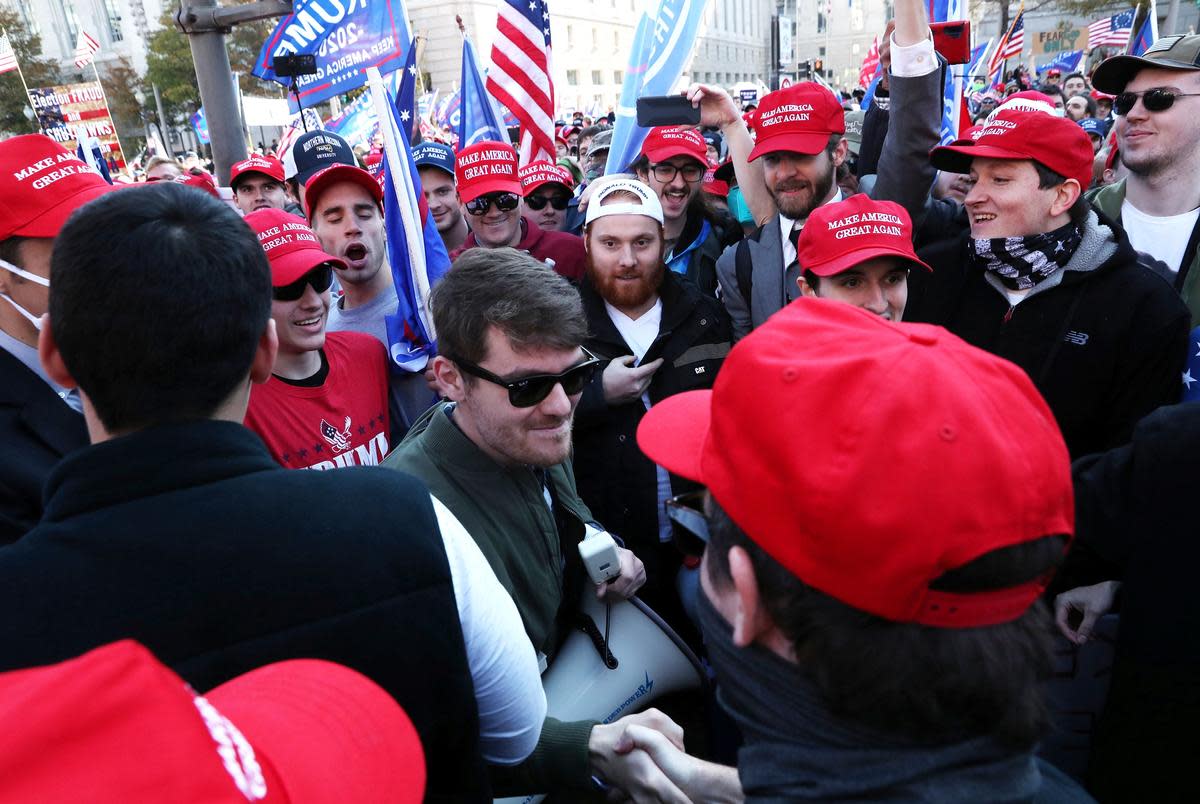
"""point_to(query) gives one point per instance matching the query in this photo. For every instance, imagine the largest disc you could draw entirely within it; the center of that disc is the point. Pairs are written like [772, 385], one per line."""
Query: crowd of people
[880, 427]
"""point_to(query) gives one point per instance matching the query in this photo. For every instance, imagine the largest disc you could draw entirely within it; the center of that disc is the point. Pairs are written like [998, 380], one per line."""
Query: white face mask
[41, 280]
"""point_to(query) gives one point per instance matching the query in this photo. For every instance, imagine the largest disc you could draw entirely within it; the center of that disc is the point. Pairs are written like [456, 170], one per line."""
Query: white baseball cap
[605, 186]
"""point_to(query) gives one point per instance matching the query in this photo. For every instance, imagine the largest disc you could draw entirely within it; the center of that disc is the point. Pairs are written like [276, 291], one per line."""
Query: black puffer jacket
[618, 482]
[1104, 340]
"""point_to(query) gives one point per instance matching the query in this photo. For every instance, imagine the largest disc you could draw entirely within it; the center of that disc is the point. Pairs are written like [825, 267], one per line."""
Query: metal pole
[162, 120]
[217, 94]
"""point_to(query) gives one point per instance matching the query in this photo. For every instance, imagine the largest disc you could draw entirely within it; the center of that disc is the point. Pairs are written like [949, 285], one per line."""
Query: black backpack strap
[745, 272]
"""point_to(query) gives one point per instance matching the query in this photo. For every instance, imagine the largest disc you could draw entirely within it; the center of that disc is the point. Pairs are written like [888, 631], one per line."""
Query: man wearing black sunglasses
[547, 189]
[326, 403]
[489, 189]
[1158, 202]
[498, 454]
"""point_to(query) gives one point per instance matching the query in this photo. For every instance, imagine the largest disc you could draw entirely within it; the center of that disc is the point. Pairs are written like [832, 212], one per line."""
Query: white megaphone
[647, 659]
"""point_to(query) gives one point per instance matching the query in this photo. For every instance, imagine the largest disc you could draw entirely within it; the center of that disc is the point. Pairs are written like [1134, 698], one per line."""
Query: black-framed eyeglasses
[505, 202]
[689, 523]
[1155, 100]
[525, 392]
[665, 172]
[321, 278]
[538, 202]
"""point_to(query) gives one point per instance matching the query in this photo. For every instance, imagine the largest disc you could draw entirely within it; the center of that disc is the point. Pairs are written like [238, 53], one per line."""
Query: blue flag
[346, 36]
[406, 96]
[1067, 62]
[663, 41]
[89, 150]
[1145, 37]
[200, 124]
[479, 119]
[416, 253]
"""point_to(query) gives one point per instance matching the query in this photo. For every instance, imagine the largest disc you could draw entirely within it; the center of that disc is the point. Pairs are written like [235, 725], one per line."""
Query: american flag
[8, 59]
[870, 64]
[85, 48]
[1111, 31]
[520, 74]
[1015, 42]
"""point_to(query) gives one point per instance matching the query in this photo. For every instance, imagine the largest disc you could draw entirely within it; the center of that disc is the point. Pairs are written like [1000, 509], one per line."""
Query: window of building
[114, 20]
[570, 36]
[29, 18]
[595, 39]
[68, 11]
[573, 77]
[820, 22]
[618, 77]
[597, 80]
[616, 41]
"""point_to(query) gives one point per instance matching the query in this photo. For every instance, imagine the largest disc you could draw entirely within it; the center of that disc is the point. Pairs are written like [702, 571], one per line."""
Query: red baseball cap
[41, 184]
[799, 118]
[665, 142]
[201, 181]
[924, 454]
[323, 179]
[839, 236]
[714, 186]
[486, 167]
[268, 166]
[116, 725]
[535, 174]
[291, 247]
[1055, 142]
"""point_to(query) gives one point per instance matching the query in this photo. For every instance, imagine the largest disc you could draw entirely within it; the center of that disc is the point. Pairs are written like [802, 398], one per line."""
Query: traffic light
[804, 70]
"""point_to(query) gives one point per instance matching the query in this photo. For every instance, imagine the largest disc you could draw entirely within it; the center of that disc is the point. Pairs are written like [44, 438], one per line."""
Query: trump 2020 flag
[415, 250]
[662, 43]
[479, 118]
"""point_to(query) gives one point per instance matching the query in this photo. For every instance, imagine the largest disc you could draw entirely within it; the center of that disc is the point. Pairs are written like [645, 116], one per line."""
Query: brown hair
[511, 291]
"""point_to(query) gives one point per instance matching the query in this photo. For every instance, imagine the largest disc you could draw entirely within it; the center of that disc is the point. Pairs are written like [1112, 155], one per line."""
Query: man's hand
[634, 774]
[631, 579]
[623, 382]
[1092, 601]
[885, 47]
[695, 778]
[717, 109]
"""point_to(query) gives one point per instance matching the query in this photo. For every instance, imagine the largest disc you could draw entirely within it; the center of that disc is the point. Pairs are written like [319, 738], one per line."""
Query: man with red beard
[345, 209]
[658, 335]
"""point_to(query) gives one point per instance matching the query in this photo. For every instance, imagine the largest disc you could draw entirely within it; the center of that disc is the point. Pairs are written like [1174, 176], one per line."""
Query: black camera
[294, 66]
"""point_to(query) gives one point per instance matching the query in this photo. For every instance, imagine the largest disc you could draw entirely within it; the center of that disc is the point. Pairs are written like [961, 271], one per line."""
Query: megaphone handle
[607, 620]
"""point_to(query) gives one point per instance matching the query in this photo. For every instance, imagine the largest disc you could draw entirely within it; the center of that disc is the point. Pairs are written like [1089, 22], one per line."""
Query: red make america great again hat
[41, 184]
[800, 118]
[925, 453]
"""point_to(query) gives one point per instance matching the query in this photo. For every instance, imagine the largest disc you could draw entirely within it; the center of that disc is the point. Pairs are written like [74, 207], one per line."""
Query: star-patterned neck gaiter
[1020, 263]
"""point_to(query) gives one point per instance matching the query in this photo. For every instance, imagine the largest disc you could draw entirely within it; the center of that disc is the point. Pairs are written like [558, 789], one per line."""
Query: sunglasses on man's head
[1155, 100]
[504, 202]
[321, 278]
[525, 392]
[538, 202]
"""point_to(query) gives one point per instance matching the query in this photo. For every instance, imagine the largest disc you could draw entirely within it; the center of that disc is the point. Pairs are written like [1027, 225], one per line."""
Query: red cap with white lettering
[535, 174]
[837, 237]
[115, 724]
[486, 167]
[268, 166]
[665, 142]
[800, 118]
[41, 184]
[291, 247]
[1057, 143]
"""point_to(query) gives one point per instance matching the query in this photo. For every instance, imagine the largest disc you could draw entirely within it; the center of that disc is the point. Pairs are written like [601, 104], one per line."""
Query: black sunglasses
[525, 392]
[538, 202]
[503, 201]
[1155, 100]
[321, 278]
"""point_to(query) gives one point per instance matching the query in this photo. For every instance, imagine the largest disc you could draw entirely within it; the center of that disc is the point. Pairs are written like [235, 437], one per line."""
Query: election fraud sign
[69, 111]
[346, 36]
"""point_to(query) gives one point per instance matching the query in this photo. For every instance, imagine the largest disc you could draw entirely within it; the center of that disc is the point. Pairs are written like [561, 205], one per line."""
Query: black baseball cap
[314, 151]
